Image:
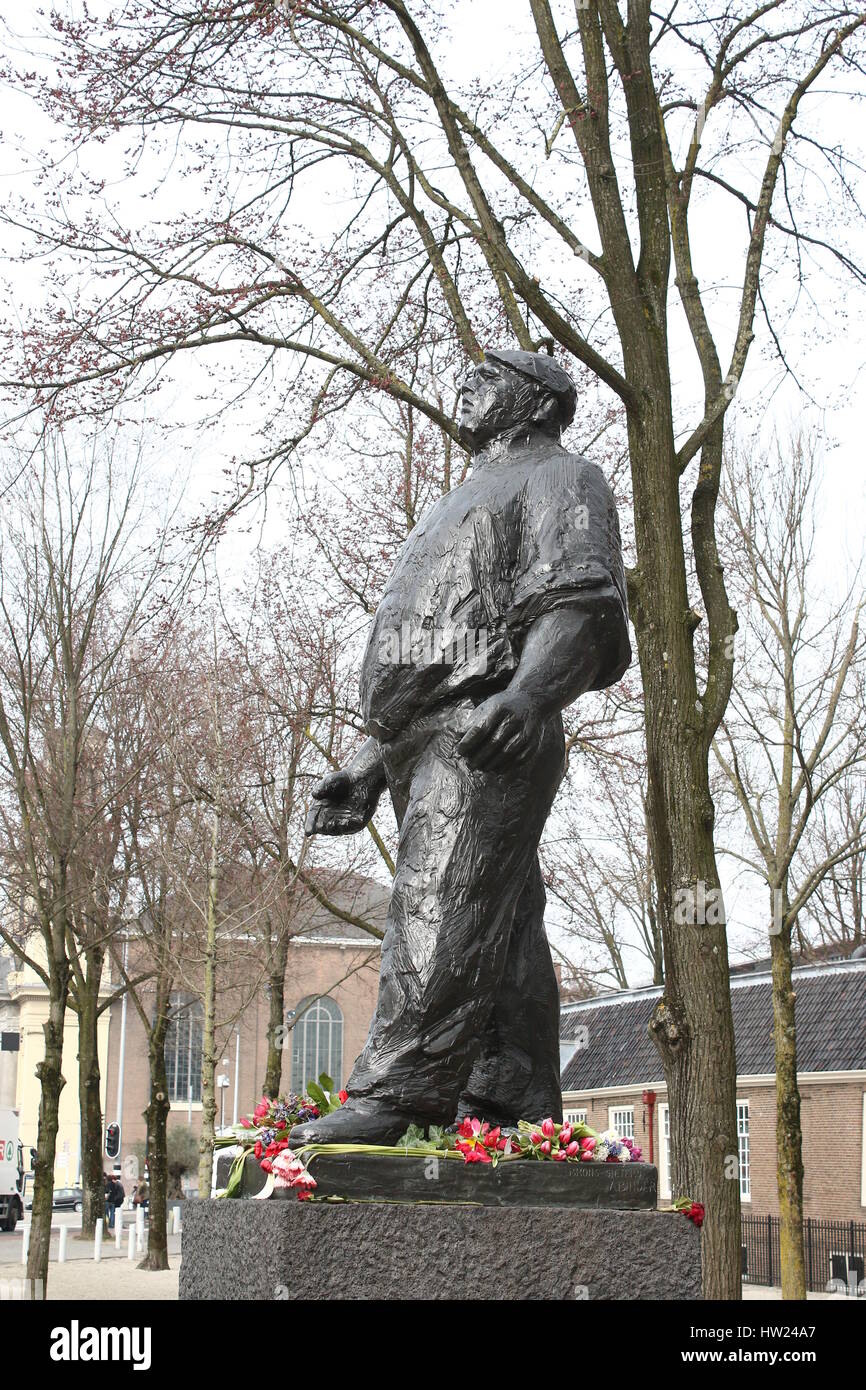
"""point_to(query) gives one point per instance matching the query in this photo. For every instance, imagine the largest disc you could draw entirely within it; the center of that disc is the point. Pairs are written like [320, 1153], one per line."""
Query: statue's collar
[511, 444]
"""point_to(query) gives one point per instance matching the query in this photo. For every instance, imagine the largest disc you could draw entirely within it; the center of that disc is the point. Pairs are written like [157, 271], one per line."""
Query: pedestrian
[141, 1196]
[108, 1186]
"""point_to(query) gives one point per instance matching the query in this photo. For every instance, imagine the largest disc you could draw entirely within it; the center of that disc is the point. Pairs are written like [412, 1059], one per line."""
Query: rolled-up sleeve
[570, 551]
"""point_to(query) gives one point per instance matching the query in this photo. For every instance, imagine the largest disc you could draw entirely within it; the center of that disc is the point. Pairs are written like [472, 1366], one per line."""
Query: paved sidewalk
[752, 1292]
[112, 1281]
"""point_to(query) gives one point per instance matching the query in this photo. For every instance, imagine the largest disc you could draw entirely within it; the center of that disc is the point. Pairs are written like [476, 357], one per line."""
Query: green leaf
[326, 1082]
[316, 1094]
[414, 1135]
[236, 1173]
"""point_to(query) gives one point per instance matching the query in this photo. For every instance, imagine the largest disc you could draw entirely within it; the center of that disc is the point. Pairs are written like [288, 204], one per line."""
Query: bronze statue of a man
[507, 602]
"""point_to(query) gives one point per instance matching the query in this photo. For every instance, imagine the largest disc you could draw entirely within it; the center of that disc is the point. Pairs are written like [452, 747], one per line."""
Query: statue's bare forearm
[368, 763]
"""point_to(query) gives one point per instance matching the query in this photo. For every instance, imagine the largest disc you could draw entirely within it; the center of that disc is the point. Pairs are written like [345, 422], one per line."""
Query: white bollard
[61, 1253]
[25, 1243]
[131, 1251]
[97, 1241]
[118, 1228]
[175, 1220]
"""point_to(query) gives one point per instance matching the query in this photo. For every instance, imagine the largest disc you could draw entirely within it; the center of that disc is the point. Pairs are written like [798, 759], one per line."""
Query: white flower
[600, 1153]
[625, 1156]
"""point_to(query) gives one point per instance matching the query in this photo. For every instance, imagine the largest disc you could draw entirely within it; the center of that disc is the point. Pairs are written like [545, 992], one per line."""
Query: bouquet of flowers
[575, 1143]
[265, 1135]
[694, 1211]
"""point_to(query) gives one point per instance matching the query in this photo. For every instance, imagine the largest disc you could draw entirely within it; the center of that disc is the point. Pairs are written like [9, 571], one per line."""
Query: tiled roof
[616, 1050]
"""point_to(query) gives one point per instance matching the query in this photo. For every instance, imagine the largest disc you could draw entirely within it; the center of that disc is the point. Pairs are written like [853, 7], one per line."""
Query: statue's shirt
[531, 532]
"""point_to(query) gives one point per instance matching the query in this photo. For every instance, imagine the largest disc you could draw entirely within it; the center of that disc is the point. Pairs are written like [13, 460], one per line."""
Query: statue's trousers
[467, 1019]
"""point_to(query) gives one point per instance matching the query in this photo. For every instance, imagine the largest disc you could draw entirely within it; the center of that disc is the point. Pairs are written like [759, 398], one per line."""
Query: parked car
[68, 1199]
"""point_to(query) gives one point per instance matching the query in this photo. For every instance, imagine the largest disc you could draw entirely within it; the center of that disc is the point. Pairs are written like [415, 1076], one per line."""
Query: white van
[11, 1172]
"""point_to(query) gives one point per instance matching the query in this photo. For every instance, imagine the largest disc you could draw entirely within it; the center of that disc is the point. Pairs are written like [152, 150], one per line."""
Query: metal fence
[835, 1254]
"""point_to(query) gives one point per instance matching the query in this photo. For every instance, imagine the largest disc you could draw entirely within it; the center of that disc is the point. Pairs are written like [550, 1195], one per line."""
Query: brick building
[612, 1076]
[331, 982]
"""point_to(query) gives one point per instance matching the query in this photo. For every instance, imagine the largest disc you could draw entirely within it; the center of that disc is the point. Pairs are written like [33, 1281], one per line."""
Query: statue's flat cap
[540, 367]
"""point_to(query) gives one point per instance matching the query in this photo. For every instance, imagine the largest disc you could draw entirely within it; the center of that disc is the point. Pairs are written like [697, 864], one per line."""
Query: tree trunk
[789, 1138]
[92, 1171]
[156, 1115]
[52, 1081]
[692, 1024]
[208, 1058]
[277, 1015]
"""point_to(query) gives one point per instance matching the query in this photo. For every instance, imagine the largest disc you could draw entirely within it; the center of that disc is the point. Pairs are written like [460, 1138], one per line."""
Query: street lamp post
[222, 1081]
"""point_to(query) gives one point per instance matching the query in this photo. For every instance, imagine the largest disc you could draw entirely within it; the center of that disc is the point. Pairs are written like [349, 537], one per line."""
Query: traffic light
[112, 1141]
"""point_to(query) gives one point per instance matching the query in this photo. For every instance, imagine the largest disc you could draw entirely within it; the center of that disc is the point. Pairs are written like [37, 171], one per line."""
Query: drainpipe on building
[237, 1075]
[121, 1061]
[649, 1100]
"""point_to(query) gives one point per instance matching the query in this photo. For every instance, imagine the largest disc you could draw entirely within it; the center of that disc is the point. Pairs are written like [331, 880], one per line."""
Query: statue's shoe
[358, 1123]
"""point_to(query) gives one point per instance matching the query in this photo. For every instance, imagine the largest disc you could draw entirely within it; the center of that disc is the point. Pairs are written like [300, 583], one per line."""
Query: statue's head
[510, 388]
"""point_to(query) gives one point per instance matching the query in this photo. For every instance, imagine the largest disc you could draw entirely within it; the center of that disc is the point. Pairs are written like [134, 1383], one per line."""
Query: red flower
[258, 1151]
[474, 1154]
[266, 1165]
[474, 1137]
[696, 1213]
[548, 1128]
[342, 1096]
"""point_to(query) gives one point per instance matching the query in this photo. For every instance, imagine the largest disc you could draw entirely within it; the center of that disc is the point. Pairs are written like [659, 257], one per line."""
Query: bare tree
[551, 206]
[794, 734]
[836, 912]
[73, 591]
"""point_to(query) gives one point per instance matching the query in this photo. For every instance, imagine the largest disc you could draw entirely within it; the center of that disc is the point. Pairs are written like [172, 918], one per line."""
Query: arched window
[317, 1042]
[183, 1048]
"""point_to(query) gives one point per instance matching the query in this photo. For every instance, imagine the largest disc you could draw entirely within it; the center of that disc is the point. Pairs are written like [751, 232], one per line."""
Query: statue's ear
[546, 413]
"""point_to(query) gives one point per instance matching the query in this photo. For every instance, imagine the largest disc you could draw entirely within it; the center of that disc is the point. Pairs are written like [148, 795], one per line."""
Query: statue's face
[490, 403]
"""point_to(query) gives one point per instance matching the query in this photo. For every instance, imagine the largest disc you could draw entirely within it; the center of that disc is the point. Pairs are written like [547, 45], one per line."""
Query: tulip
[560, 1155]
[548, 1128]
[573, 1148]
[545, 1148]
[342, 1096]
[536, 1137]
[565, 1134]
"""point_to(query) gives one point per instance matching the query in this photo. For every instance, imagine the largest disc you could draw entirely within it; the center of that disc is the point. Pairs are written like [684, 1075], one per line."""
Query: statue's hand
[345, 802]
[504, 729]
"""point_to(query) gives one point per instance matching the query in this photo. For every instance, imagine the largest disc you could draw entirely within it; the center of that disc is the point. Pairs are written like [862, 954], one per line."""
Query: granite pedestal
[523, 1230]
